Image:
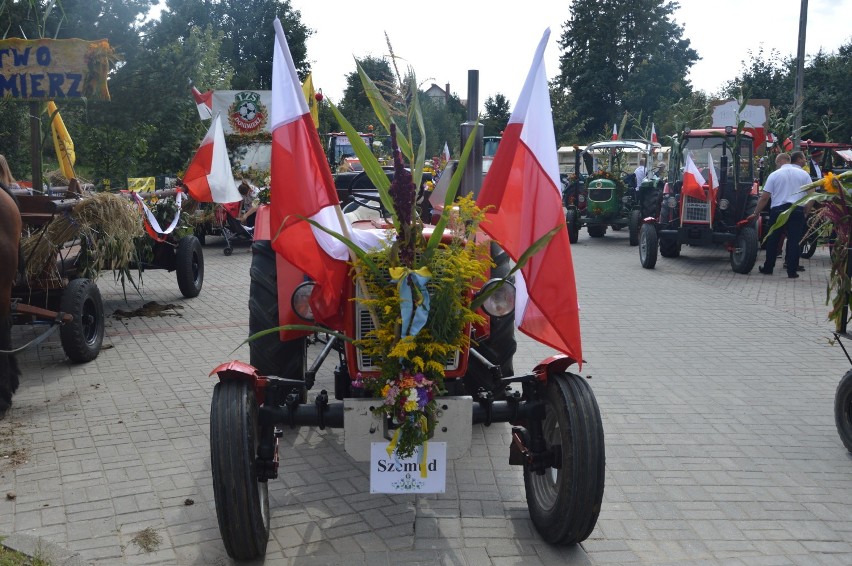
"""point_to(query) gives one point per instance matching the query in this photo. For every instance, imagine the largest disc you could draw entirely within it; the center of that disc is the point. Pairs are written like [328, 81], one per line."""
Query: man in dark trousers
[784, 187]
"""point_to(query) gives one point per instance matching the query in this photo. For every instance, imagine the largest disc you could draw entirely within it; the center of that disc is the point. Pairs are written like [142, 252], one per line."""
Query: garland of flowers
[423, 316]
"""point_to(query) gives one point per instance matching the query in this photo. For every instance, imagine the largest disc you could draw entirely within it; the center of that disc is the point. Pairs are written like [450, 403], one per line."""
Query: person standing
[784, 187]
[640, 173]
[813, 164]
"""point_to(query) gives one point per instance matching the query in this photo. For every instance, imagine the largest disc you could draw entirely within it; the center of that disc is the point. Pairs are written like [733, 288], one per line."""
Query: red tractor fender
[236, 370]
[552, 365]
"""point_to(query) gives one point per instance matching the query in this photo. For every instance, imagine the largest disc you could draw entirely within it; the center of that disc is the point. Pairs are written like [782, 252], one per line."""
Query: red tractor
[721, 216]
[557, 436]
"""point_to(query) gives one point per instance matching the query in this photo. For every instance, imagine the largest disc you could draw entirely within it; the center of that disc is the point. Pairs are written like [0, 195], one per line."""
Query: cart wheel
[843, 410]
[564, 503]
[190, 266]
[633, 227]
[744, 254]
[648, 246]
[242, 502]
[82, 337]
[228, 251]
[571, 219]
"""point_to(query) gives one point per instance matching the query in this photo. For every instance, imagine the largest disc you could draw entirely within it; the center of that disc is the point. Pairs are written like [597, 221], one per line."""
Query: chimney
[447, 94]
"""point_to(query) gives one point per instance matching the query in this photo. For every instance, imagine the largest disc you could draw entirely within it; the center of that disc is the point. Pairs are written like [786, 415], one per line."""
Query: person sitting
[248, 210]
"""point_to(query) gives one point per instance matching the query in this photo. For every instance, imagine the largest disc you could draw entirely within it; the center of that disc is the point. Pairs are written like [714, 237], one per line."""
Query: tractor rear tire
[564, 503]
[269, 354]
[597, 231]
[242, 502]
[635, 224]
[744, 254]
[648, 246]
[82, 337]
[571, 219]
[190, 266]
[651, 203]
[500, 346]
[669, 247]
[843, 410]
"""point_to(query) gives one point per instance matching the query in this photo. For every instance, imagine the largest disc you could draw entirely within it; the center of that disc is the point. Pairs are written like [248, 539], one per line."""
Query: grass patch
[13, 558]
[146, 539]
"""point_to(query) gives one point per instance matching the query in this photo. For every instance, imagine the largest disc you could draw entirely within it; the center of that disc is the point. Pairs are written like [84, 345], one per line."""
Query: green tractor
[606, 195]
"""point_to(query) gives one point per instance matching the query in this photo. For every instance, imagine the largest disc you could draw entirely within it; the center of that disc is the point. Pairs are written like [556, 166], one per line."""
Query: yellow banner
[62, 142]
[47, 69]
[141, 184]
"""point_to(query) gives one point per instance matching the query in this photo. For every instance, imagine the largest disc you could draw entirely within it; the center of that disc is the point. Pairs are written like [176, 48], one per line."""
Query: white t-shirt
[785, 184]
[640, 175]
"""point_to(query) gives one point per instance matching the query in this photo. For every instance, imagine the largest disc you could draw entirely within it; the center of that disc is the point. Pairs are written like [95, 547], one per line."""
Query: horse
[10, 251]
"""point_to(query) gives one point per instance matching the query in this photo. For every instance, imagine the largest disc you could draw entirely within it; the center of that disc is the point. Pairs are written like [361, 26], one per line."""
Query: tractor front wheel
[242, 502]
[744, 254]
[648, 246]
[564, 502]
[843, 410]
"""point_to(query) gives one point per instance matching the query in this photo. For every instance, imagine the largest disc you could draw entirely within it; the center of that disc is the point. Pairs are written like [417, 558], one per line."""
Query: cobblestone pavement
[716, 391]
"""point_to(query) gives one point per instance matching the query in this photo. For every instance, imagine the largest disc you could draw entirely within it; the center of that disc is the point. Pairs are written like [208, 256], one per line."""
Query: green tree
[247, 34]
[641, 58]
[497, 114]
[566, 124]
[355, 105]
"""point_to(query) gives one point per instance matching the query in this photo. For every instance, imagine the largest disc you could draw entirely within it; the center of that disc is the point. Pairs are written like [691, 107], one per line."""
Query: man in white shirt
[640, 173]
[784, 187]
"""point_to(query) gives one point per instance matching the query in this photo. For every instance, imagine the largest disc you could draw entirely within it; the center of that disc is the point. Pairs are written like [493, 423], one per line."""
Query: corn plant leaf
[382, 109]
[450, 197]
[371, 164]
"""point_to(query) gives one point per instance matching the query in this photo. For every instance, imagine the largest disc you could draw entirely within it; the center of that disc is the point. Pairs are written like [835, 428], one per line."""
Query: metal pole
[35, 146]
[798, 99]
[472, 177]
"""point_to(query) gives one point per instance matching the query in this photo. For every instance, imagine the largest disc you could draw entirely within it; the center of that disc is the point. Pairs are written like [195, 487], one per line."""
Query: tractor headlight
[501, 300]
[672, 202]
[301, 300]
[581, 198]
[724, 204]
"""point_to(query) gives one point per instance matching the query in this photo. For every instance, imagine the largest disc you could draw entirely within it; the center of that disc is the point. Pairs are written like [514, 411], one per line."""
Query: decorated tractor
[419, 321]
[697, 210]
[603, 197]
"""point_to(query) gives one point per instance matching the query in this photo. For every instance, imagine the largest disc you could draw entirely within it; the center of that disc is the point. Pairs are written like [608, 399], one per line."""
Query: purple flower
[403, 193]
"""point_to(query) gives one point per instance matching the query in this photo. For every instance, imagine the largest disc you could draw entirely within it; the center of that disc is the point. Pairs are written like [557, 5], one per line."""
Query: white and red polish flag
[693, 180]
[302, 187]
[614, 132]
[204, 103]
[522, 201]
[713, 181]
[209, 177]
[654, 134]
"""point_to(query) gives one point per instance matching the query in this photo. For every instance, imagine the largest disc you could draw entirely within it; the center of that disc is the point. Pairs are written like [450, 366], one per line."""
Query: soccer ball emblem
[247, 110]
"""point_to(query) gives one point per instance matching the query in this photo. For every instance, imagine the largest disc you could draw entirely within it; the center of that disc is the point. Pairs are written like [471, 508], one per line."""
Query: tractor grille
[364, 325]
[695, 210]
[600, 195]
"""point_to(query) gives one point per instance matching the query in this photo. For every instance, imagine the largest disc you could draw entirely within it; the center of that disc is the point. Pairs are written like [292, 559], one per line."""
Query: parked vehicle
[603, 196]
[721, 217]
[558, 438]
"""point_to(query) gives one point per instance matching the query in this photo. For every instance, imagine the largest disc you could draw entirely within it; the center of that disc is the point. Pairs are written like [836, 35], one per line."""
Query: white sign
[417, 474]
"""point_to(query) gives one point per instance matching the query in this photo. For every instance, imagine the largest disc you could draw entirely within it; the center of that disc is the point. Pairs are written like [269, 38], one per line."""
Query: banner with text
[54, 69]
